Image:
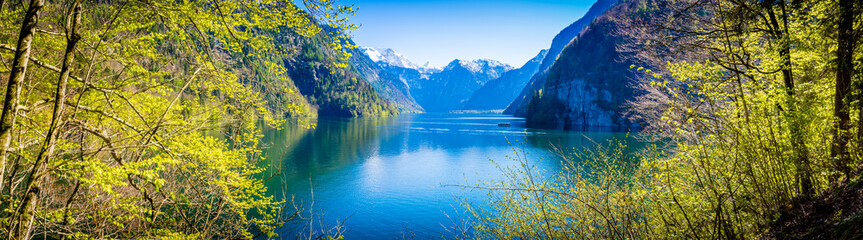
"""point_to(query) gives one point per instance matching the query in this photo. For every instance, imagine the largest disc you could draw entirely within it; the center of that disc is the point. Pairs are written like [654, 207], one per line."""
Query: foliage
[742, 123]
[159, 136]
[593, 197]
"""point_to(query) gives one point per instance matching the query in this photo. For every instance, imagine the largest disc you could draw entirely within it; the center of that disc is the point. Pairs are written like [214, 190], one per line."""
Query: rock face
[589, 84]
[448, 89]
[576, 105]
[518, 107]
[377, 70]
[498, 93]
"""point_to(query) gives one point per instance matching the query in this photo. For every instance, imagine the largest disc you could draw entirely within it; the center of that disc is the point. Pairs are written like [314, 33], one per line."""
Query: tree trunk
[844, 70]
[36, 175]
[858, 87]
[795, 121]
[13, 87]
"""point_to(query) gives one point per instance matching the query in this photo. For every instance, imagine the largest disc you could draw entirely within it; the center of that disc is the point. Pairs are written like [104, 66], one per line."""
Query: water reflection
[384, 175]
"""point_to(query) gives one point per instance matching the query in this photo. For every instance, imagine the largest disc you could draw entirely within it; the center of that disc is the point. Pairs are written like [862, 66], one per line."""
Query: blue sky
[510, 31]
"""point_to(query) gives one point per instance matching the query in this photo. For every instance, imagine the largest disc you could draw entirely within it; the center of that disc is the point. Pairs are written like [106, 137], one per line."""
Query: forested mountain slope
[557, 44]
[752, 109]
[589, 84]
[337, 91]
[388, 76]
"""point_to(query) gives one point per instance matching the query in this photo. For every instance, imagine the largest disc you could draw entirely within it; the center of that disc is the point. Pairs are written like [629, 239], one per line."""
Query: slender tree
[117, 140]
[804, 175]
[846, 44]
[33, 182]
[13, 88]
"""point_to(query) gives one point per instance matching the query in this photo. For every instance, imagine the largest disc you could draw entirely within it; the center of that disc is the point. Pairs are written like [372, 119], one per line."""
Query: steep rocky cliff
[563, 38]
[591, 81]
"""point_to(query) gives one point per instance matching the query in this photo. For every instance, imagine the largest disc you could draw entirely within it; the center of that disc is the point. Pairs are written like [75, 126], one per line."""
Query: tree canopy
[130, 119]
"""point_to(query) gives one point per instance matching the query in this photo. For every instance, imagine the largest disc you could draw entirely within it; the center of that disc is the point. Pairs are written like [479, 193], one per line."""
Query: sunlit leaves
[159, 138]
[730, 130]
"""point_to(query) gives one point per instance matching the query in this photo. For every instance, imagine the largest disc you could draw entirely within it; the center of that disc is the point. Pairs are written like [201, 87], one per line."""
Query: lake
[385, 179]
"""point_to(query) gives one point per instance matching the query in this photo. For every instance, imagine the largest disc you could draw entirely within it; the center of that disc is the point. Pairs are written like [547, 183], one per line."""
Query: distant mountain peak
[538, 58]
[388, 56]
[542, 54]
[499, 92]
[478, 65]
[429, 66]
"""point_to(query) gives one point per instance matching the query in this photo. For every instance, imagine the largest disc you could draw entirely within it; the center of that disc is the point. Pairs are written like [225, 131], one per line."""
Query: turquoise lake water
[386, 179]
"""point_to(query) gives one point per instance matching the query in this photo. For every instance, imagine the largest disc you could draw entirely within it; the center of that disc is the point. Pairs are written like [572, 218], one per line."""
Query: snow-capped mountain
[387, 57]
[498, 93]
[429, 66]
[446, 90]
[436, 89]
[387, 82]
[489, 67]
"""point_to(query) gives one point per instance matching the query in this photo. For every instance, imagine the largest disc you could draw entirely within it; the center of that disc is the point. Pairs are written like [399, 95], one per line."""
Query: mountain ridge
[564, 37]
[590, 83]
[433, 89]
[389, 57]
[447, 90]
[390, 86]
[498, 93]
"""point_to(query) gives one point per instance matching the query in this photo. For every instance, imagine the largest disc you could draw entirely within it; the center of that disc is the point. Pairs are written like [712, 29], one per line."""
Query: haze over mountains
[380, 79]
[581, 81]
[439, 89]
[498, 93]
[448, 89]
